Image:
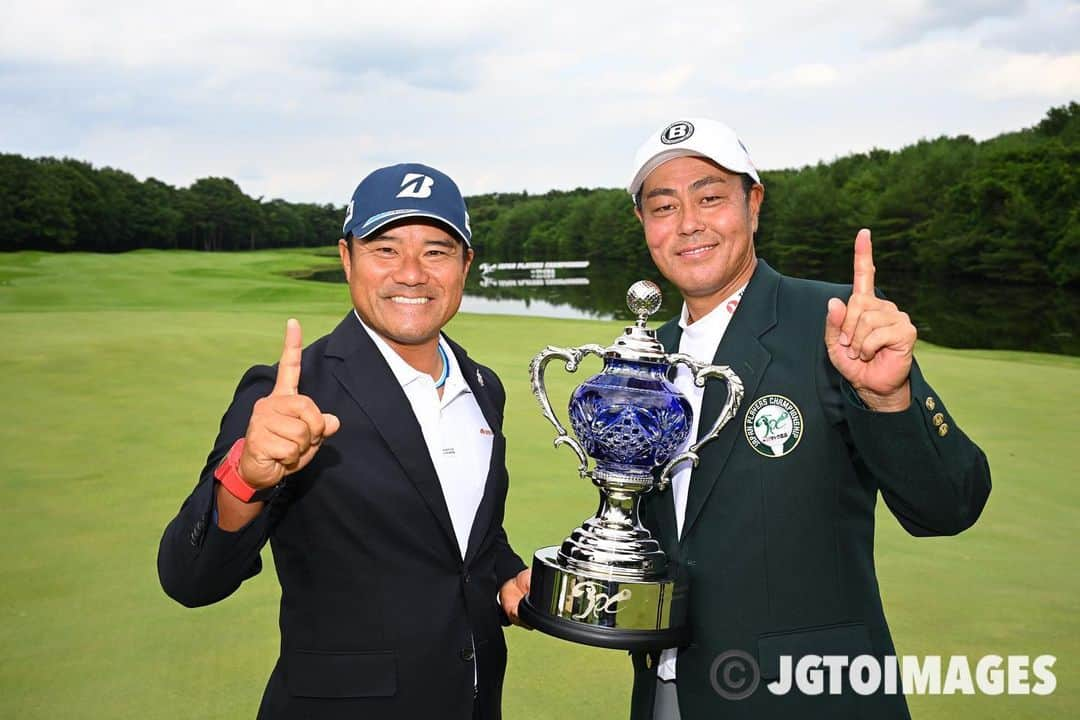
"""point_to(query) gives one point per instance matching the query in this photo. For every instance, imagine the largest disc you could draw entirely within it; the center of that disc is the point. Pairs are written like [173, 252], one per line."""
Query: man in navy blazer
[374, 462]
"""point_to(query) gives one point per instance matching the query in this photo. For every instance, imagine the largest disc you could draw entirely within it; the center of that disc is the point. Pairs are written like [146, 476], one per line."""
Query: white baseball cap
[693, 137]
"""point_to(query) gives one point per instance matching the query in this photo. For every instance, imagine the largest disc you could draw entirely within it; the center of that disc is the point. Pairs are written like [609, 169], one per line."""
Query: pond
[950, 313]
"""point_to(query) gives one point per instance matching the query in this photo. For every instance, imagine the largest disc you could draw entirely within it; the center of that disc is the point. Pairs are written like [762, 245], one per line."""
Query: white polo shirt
[699, 340]
[457, 435]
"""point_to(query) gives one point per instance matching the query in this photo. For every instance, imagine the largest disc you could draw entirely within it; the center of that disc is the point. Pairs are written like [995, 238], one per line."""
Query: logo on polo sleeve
[773, 425]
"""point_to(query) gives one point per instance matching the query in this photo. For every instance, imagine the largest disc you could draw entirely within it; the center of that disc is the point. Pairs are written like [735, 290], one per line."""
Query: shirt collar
[405, 373]
[716, 321]
[455, 381]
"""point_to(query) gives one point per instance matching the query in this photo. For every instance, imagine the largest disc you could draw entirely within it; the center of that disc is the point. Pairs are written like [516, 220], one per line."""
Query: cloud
[937, 16]
[1049, 28]
[812, 76]
[301, 100]
[448, 70]
[1036, 76]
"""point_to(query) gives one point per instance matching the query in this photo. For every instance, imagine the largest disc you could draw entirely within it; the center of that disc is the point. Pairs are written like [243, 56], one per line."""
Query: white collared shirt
[455, 431]
[699, 340]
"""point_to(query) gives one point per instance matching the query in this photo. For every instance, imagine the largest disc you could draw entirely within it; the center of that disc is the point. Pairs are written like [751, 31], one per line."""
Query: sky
[300, 100]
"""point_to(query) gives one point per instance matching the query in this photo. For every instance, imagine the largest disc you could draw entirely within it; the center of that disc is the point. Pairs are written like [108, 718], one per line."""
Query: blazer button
[467, 654]
[467, 578]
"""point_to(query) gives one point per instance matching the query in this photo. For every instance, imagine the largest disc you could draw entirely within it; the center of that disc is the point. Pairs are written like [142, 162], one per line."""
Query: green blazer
[778, 541]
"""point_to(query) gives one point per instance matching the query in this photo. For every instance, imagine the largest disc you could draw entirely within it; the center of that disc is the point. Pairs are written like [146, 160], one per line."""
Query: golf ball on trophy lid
[643, 297]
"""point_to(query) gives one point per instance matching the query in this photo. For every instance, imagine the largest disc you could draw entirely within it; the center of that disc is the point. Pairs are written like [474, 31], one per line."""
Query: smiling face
[699, 225]
[406, 281]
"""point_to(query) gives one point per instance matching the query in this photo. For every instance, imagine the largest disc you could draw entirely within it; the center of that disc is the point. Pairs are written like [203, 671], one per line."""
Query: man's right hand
[286, 428]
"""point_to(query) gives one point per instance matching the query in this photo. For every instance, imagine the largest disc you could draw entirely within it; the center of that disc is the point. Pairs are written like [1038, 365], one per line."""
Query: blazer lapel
[471, 372]
[740, 349]
[370, 383]
[486, 510]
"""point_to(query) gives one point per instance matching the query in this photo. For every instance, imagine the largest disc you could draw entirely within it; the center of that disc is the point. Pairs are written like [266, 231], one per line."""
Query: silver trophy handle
[731, 406]
[573, 357]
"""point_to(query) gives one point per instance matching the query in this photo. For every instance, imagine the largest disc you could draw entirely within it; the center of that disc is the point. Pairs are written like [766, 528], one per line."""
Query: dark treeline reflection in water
[960, 314]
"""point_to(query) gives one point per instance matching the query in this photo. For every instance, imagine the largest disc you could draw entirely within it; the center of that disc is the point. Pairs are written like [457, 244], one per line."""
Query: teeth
[697, 251]
[409, 300]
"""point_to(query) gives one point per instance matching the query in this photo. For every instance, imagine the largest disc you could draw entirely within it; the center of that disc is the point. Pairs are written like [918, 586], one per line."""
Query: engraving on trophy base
[605, 611]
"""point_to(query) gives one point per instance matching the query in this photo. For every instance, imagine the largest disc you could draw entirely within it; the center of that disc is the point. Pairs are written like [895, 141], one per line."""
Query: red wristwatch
[228, 474]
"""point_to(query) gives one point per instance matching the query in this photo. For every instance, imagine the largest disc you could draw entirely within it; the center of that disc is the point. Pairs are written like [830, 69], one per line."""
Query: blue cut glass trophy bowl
[609, 584]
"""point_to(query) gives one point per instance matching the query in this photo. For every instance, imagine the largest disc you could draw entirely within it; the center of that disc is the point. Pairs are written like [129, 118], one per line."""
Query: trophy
[609, 584]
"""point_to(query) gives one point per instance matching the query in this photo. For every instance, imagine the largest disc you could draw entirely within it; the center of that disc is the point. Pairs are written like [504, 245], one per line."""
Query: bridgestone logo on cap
[676, 132]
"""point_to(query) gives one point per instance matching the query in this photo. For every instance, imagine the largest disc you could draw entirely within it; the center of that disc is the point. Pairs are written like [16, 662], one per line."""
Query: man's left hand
[511, 593]
[870, 341]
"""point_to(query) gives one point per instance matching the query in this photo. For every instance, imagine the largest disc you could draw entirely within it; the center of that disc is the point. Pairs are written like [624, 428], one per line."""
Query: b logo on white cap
[676, 132]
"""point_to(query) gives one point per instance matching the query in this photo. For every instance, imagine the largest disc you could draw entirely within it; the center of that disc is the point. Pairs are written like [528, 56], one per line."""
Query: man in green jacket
[775, 527]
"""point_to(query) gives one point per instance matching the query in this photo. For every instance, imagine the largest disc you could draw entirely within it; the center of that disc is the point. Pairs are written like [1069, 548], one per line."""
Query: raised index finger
[864, 265]
[288, 373]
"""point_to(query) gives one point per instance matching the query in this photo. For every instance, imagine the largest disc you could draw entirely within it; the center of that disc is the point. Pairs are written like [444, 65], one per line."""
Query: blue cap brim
[396, 216]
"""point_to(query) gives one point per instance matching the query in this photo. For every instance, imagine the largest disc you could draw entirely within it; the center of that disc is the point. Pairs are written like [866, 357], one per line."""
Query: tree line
[58, 205]
[1005, 209]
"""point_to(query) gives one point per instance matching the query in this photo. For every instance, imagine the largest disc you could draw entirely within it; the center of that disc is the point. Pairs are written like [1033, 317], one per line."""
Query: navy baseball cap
[403, 191]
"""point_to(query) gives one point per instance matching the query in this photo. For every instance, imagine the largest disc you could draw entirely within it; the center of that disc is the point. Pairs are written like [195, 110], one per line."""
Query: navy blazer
[380, 617]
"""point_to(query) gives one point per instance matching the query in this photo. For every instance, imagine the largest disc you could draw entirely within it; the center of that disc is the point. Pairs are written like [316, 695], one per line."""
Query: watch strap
[228, 474]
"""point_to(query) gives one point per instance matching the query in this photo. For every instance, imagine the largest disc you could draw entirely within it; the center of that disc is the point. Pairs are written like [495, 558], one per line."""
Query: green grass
[117, 368]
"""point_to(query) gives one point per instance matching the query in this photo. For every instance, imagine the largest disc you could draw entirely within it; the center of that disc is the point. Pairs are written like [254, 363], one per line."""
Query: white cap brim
[708, 139]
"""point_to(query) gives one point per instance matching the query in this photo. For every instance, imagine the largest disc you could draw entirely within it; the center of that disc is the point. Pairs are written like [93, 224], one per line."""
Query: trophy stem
[620, 510]
[613, 544]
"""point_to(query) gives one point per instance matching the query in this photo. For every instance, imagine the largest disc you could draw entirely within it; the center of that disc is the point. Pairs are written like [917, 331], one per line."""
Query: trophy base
[604, 611]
